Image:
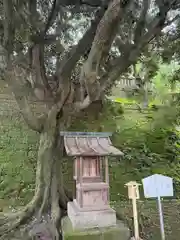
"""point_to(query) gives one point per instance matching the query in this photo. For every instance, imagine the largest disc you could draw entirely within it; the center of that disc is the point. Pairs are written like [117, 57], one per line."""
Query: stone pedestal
[117, 232]
[90, 219]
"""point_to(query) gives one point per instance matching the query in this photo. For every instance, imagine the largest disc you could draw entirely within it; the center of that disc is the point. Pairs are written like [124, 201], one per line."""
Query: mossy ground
[18, 152]
[114, 233]
[148, 215]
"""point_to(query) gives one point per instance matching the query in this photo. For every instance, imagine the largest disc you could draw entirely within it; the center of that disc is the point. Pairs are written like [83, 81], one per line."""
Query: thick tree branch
[37, 64]
[39, 80]
[39, 29]
[154, 28]
[132, 52]
[119, 44]
[33, 17]
[70, 60]
[140, 26]
[15, 77]
[176, 5]
[52, 15]
[36, 50]
[104, 37]
[65, 90]
[169, 22]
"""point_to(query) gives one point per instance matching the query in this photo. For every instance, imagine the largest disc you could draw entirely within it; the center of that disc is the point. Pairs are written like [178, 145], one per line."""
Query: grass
[149, 218]
[18, 150]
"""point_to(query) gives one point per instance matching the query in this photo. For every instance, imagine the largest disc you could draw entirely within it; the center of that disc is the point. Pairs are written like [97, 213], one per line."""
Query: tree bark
[50, 199]
[49, 173]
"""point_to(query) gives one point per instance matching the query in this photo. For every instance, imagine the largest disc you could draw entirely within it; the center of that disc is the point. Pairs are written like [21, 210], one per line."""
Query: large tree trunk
[49, 179]
[50, 198]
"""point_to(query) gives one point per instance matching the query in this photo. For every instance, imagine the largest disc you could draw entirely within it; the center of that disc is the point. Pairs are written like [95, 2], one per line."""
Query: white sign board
[158, 185]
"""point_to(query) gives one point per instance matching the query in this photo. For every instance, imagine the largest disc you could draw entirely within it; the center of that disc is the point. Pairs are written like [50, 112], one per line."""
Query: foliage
[105, 120]
[150, 145]
[163, 83]
[144, 138]
[125, 101]
[146, 68]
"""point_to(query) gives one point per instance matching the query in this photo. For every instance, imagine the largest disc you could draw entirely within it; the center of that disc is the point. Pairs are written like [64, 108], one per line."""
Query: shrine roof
[89, 144]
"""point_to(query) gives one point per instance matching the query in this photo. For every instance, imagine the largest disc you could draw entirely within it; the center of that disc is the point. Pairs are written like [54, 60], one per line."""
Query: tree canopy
[40, 38]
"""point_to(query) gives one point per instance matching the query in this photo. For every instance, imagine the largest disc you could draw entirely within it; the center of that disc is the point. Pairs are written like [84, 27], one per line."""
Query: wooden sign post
[157, 186]
[133, 193]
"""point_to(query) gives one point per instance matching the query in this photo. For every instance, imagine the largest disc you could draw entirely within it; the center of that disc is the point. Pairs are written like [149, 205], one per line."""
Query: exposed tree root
[12, 223]
[51, 203]
[31, 210]
[50, 199]
[55, 215]
[28, 210]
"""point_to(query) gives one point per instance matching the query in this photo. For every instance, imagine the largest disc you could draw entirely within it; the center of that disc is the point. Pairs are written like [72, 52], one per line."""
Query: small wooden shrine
[90, 152]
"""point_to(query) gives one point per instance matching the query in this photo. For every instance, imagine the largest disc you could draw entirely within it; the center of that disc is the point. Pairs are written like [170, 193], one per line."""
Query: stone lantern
[91, 207]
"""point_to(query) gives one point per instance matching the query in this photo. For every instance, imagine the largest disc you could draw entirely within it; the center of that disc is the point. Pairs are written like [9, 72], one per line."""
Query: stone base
[133, 238]
[118, 232]
[86, 220]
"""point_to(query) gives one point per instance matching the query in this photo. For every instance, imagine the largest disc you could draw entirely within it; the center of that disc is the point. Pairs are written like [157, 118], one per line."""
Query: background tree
[39, 61]
[143, 71]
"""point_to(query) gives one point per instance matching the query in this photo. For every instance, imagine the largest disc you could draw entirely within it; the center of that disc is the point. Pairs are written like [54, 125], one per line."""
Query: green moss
[114, 233]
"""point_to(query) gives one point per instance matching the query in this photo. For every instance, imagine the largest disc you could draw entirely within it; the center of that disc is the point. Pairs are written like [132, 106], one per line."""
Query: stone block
[117, 232]
[90, 219]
